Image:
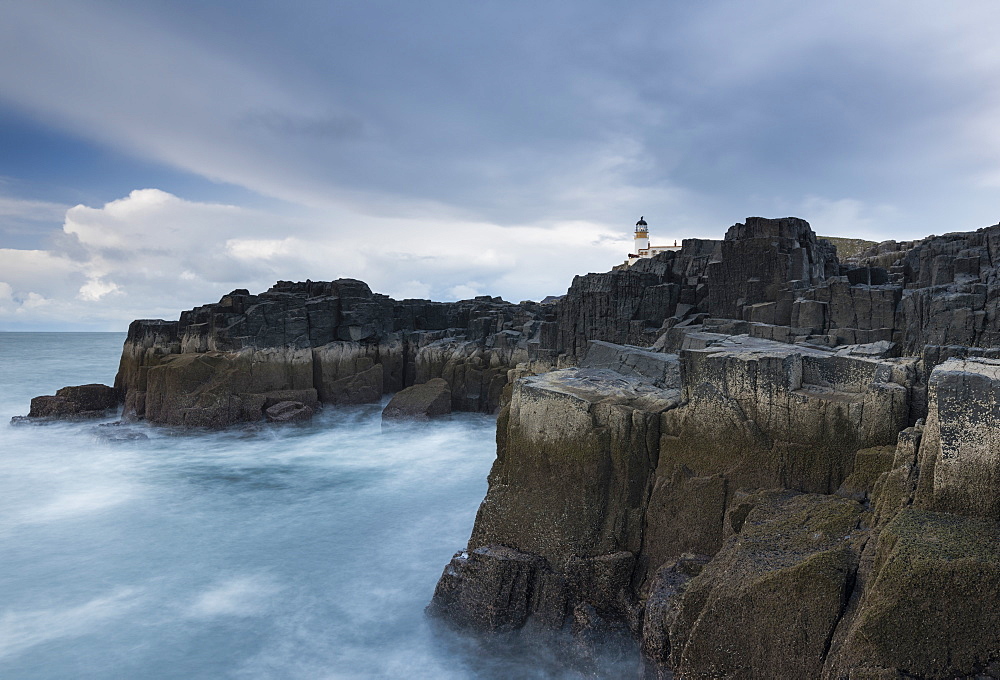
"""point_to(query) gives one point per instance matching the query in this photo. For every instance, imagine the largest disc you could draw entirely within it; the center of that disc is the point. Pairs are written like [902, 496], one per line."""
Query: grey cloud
[524, 112]
[331, 126]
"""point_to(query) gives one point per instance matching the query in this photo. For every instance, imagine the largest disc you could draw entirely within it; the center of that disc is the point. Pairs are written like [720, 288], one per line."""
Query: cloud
[95, 289]
[846, 217]
[465, 291]
[436, 153]
[31, 210]
[153, 254]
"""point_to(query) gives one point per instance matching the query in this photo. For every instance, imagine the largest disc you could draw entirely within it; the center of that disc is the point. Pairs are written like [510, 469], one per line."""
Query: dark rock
[490, 589]
[338, 338]
[420, 402]
[81, 401]
[661, 611]
[928, 609]
[773, 595]
[288, 412]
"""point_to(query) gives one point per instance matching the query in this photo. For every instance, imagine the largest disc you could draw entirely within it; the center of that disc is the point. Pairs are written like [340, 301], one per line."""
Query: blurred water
[304, 551]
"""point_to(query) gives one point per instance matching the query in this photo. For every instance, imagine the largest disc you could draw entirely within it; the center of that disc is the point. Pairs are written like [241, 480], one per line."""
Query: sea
[303, 551]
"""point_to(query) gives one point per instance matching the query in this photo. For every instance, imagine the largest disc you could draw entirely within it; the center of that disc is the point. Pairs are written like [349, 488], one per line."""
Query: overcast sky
[155, 155]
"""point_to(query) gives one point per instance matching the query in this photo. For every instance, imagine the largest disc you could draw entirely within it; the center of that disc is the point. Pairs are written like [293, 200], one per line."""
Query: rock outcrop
[288, 412]
[74, 402]
[797, 477]
[324, 342]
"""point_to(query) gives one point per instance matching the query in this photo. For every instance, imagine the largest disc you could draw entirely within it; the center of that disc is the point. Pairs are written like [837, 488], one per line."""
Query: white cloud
[413, 289]
[465, 291]
[154, 254]
[95, 289]
[260, 249]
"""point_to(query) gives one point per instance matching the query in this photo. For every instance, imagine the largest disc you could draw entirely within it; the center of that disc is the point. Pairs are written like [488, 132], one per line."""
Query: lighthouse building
[641, 248]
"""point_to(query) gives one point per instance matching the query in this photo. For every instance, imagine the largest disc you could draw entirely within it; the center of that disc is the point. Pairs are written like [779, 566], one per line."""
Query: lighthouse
[641, 248]
[641, 237]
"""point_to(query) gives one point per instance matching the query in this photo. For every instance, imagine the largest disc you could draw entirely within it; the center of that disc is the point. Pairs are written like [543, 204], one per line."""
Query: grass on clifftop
[848, 247]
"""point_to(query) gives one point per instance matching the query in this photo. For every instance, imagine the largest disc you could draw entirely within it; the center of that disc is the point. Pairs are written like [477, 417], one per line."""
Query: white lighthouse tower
[641, 238]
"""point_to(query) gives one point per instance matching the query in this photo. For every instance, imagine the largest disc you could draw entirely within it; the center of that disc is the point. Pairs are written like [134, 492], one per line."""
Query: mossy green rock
[576, 451]
[767, 605]
[931, 609]
[869, 465]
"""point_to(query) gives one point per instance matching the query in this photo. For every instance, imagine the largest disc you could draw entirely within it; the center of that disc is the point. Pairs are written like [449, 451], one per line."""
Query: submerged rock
[119, 432]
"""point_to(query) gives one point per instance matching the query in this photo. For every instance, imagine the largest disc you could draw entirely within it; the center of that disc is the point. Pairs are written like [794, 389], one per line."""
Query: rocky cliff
[798, 476]
[744, 458]
[330, 342]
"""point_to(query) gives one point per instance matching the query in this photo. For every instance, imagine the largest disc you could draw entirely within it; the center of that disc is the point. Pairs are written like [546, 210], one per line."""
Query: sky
[157, 154]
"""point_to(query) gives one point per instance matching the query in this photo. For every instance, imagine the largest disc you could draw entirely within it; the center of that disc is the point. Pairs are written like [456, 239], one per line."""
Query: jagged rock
[420, 402]
[288, 412]
[493, 588]
[662, 370]
[617, 306]
[575, 453]
[476, 373]
[869, 466]
[757, 362]
[768, 603]
[604, 583]
[757, 414]
[346, 373]
[761, 256]
[928, 609]
[960, 449]
[80, 401]
[661, 610]
[217, 389]
[338, 338]
[307, 397]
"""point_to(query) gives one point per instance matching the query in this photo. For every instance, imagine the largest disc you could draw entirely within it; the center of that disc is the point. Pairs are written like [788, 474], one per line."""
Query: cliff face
[752, 459]
[332, 342]
[745, 507]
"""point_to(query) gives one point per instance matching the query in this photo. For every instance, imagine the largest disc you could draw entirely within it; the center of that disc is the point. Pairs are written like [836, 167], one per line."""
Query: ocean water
[303, 551]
